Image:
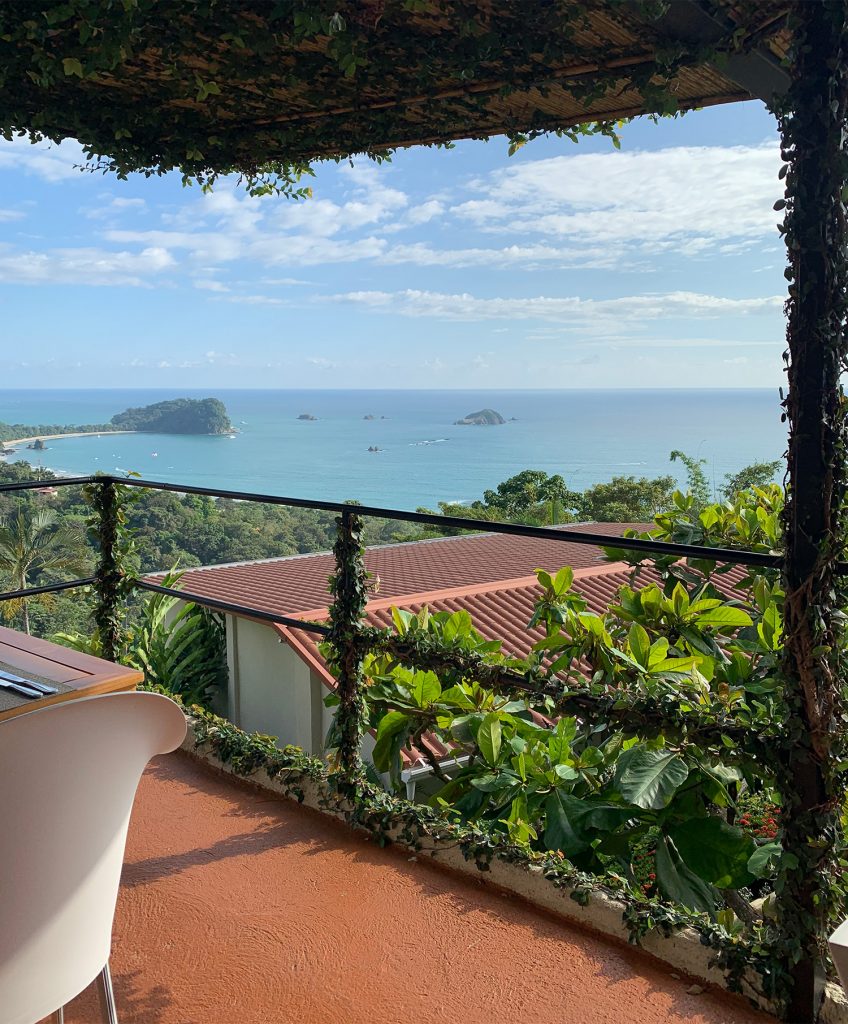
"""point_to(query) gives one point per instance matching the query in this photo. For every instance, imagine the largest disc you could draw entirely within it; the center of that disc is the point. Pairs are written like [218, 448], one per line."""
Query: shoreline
[55, 437]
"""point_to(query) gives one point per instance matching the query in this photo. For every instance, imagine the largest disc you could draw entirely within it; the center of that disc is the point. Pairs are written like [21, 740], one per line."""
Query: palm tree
[35, 545]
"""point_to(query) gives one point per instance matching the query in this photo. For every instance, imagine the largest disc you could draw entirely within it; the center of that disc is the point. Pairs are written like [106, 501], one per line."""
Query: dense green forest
[183, 531]
[176, 416]
[13, 431]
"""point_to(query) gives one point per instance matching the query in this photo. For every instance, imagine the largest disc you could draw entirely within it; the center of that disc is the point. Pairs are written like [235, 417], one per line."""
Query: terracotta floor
[237, 908]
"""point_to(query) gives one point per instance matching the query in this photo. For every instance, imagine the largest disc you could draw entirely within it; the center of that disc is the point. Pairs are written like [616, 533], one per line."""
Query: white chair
[838, 944]
[68, 776]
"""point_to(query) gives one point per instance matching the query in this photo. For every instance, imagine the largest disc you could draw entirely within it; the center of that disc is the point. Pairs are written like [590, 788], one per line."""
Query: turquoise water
[587, 436]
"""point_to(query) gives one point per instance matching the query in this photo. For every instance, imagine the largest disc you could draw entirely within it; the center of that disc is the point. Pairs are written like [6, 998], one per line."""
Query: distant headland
[175, 416]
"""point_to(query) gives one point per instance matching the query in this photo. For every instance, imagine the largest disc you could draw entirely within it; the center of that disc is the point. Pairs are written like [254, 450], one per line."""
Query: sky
[563, 266]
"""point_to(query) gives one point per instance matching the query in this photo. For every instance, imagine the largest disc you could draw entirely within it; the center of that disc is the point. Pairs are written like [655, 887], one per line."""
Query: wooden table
[76, 675]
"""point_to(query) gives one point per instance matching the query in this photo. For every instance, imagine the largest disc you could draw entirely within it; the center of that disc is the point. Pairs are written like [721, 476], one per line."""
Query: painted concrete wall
[271, 689]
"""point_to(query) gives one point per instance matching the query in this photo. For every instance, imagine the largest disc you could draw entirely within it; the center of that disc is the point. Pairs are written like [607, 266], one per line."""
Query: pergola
[263, 88]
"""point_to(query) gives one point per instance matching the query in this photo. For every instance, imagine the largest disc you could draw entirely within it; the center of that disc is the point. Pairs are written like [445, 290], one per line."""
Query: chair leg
[107, 995]
[59, 1016]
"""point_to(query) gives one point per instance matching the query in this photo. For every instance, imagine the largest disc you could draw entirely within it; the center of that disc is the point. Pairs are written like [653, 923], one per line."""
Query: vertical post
[104, 525]
[349, 587]
[812, 143]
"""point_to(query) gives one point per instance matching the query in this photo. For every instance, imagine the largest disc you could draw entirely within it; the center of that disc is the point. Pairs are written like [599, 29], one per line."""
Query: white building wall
[272, 690]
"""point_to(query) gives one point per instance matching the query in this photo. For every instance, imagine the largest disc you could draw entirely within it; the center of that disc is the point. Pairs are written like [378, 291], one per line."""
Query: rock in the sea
[481, 418]
[307, 416]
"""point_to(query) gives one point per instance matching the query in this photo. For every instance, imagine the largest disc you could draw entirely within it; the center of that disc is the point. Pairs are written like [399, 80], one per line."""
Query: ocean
[588, 436]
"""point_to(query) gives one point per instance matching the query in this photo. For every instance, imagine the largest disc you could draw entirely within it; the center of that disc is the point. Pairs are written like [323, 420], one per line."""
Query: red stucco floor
[239, 908]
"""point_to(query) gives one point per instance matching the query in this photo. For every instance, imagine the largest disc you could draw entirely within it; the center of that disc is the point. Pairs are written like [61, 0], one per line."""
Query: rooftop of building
[299, 583]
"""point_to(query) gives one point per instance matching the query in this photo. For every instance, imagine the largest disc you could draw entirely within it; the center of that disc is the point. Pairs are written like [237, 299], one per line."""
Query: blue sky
[658, 265]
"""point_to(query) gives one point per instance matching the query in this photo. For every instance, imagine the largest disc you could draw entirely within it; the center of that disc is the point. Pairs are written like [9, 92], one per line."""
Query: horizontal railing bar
[648, 547]
[236, 609]
[60, 481]
[48, 588]
[753, 558]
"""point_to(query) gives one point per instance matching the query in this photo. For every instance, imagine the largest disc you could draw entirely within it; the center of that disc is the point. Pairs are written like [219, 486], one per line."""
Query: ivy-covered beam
[813, 126]
[112, 538]
[349, 587]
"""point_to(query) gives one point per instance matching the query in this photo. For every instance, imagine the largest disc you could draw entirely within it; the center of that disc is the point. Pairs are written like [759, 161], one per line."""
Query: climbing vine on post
[109, 532]
[349, 587]
[813, 147]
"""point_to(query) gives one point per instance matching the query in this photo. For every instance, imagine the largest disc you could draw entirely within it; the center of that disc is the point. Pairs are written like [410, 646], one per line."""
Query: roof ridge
[466, 536]
[466, 590]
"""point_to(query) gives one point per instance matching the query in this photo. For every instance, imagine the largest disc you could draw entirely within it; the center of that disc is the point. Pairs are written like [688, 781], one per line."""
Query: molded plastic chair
[68, 776]
[838, 945]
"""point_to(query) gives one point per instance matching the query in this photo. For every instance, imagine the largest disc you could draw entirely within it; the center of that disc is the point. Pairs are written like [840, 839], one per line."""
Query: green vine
[109, 532]
[347, 644]
[812, 747]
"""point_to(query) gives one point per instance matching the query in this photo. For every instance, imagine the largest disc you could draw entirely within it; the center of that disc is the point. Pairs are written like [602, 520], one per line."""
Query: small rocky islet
[481, 418]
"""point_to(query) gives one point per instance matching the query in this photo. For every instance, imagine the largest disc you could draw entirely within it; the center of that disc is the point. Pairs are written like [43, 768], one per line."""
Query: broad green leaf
[563, 580]
[724, 617]
[491, 783]
[640, 644]
[489, 738]
[401, 619]
[571, 824]
[649, 778]
[677, 883]
[715, 851]
[392, 728]
[559, 745]
[425, 688]
[562, 831]
[763, 861]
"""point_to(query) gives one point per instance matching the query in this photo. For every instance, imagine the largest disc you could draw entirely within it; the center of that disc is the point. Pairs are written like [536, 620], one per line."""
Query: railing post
[812, 129]
[104, 527]
[349, 588]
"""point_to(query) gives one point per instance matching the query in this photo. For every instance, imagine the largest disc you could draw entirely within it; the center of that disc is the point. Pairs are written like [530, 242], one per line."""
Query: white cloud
[257, 300]
[47, 160]
[577, 311]
[689, 199]
[9, 215]
[87, 266]
[113, 205]
[206, 284]
[524, 257]
[322, 363]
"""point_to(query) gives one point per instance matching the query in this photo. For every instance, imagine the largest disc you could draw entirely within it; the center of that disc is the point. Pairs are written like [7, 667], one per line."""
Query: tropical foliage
[598, 788]
[35, 545]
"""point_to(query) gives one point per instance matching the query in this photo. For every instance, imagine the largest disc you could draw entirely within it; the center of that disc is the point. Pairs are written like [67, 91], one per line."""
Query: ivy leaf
[677, 883]
[649, 778]
[489, 738]
[715, 851]
[72, 66]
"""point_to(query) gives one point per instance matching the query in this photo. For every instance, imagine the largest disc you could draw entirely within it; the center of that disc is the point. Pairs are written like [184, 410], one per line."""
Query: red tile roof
[499, 611]
[298, 584]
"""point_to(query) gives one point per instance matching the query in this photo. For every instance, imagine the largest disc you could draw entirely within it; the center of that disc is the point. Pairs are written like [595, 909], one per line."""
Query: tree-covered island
[174, 416]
